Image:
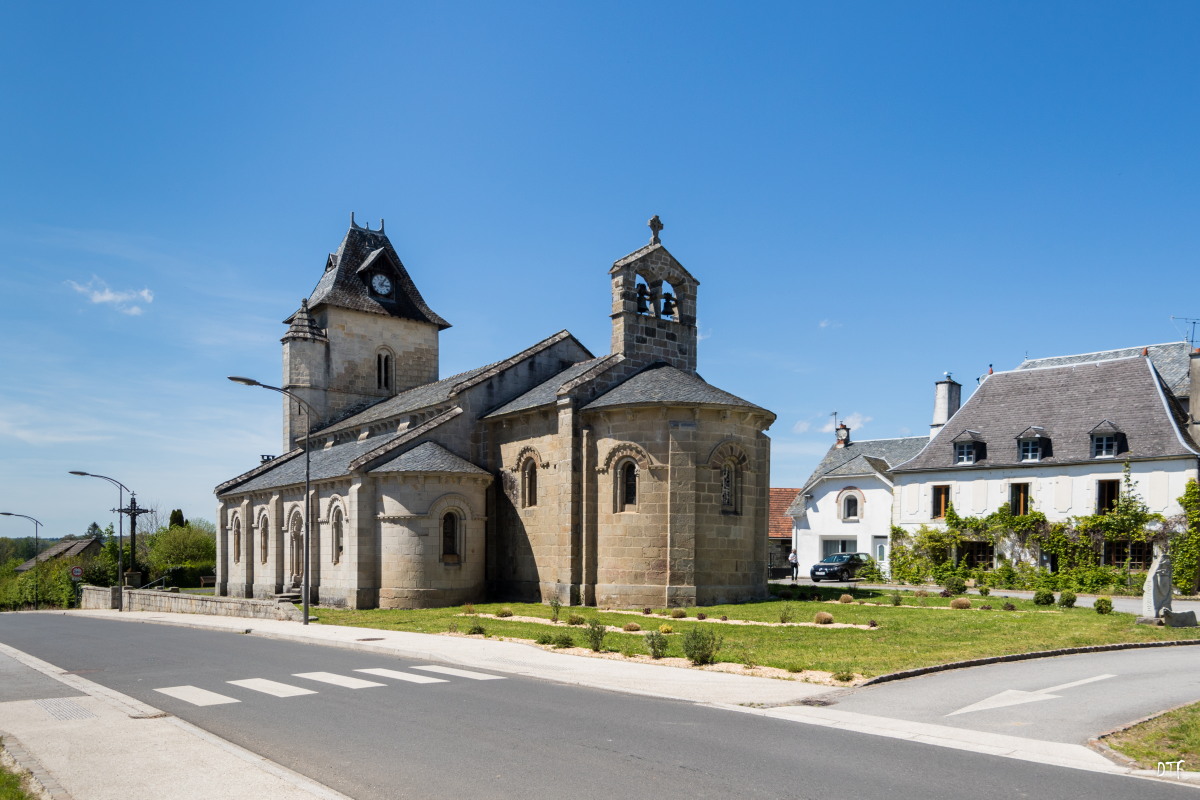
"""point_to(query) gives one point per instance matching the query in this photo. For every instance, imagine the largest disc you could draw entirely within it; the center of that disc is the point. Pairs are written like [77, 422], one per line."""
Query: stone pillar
[587, 523]
[681, 515]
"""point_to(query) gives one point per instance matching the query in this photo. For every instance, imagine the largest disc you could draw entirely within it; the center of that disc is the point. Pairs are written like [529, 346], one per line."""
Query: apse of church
[622, 480]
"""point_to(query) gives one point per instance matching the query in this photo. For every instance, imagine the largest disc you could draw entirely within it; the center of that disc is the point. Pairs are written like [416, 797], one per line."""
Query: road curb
[1065, 651]
[16, 757]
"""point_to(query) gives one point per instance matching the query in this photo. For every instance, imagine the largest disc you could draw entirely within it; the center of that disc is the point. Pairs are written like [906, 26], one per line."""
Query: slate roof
[779, 524]
[866, 457]
[662, 383]
[547, 392]
[1170, 359]
[64, 549]
[342, 285]
[328, 462]
[429, 457]
[1067, 402]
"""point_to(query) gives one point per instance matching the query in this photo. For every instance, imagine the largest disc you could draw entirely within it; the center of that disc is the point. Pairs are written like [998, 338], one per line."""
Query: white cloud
[802, 426]
[828, 323]
[97, 291]
[855, 421]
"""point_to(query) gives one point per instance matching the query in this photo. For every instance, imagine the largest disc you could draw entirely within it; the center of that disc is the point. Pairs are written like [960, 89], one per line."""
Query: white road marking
[463, 673]
[1015, 697]
[401, 676]
[197, 696]
[338, 680]
[273, 688]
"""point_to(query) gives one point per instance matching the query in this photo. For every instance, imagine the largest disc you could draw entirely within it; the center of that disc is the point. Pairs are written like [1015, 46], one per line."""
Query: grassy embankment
[921, 632]
[1174, 736]
[12, 786]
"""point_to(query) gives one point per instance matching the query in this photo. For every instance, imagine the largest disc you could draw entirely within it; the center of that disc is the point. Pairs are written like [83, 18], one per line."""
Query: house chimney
[843, 435]
[1194, 395]
[947, 396]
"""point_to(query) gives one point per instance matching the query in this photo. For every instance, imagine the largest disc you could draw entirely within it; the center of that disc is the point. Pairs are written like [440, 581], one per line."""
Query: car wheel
[842, 576]
[815, 579]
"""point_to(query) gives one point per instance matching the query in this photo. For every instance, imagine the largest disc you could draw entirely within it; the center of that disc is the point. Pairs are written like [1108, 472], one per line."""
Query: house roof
[660, 384]
[1067, 402]
[429, 457]
[343, 286]
[867, 457]
[548, 391]
[1170, 359]
[779, 524]
[64, 549]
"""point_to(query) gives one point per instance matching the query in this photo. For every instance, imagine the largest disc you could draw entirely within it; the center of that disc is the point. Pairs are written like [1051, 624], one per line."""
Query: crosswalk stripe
[274, 688]
[463, 673]
[338, 680]
[197, 696]
[401, 676]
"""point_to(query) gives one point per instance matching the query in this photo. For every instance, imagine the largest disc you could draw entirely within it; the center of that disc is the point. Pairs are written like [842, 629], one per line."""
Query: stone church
[619, 480]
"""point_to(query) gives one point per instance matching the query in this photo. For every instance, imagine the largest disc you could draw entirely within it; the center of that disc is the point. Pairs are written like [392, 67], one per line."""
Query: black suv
[839, 567]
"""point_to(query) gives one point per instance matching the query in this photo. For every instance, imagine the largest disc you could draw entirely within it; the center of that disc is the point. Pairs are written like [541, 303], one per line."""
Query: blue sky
[871, 195]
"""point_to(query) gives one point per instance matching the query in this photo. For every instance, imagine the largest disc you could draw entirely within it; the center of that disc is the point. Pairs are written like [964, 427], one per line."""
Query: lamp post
[36, 526]
[121, 489]
[308, 415]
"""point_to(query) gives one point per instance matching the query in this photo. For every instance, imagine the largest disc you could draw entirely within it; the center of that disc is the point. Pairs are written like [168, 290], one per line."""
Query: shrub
[823, 618]
[815, 597]
[595, 633]
[700, 645]
[555, 606]
[724, 618]
[563, 639]
[504, 612]
[1066, 599]
[872, 623]
[954, 584]
[1009, 607]
[985, 608]
[665, 629]
[786, 614]
[647, 611]
[476, 630]
[1043, 597]
[545, 638]
[984, 591]
[627, 650]
[678, 613]
[945, 593]
[785, 594]
[701, 615]
[631, 627]
[920, 593]
[960, 602]
[452, 627]
[843, 676]
[845, 599]
[656, 644]
[575, 619]
[469, 608]
[895, 598]
[1103, 605]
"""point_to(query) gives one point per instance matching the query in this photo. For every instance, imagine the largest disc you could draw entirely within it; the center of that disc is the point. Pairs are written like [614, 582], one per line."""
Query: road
[509, 736]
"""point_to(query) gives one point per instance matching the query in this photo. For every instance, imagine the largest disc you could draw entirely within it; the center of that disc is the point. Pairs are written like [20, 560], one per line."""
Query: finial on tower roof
[655, 226]
[352, 225]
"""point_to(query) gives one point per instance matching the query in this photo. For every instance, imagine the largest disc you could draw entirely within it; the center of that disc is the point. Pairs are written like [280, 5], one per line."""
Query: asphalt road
[515, 737]
[1110, 689]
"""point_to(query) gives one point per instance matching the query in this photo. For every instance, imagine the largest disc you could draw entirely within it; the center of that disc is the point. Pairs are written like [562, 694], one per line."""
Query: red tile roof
[779, 524]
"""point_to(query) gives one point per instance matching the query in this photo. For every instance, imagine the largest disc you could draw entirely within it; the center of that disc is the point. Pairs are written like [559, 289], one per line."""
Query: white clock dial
[381, 284]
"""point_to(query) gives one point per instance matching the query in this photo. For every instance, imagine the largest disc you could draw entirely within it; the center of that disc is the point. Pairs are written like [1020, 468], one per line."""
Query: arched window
[450, 533]
[383, 370]
[850, 507]
[338, 542]
[627, 490]
[731, 488]
[237, 540]
[264, 536]
[529, 488]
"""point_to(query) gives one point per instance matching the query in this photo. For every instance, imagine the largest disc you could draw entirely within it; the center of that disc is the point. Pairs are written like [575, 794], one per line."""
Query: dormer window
[969, 447]
[964, 452]
[1104, 445]
[1030, 449]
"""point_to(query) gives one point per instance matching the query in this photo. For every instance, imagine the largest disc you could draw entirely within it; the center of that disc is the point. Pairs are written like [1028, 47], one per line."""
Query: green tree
[177, 520]
[179, 547]
[1185, 545]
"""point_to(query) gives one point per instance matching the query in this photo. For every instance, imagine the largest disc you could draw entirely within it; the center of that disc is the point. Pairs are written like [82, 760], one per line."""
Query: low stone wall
[170, 602]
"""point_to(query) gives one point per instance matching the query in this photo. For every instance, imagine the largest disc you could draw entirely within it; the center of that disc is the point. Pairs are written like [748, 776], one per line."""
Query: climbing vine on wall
[1185, 545]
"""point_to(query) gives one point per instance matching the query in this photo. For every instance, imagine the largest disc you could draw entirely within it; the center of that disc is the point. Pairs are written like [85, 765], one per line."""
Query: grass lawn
[921, 632]
[10, 787]
[1174, 736]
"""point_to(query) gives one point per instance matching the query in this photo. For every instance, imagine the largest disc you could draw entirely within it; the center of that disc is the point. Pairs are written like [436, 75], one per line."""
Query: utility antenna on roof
[835, 420]
[1191, 337]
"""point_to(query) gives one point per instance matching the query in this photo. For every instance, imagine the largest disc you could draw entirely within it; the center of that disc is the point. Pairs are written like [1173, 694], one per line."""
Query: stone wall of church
[415, 569]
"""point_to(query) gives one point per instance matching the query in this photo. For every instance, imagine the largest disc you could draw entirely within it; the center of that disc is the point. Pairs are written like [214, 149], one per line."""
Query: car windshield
[836, 559]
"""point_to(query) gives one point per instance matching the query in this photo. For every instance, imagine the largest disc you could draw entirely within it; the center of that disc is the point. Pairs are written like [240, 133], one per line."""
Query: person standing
[794, 560]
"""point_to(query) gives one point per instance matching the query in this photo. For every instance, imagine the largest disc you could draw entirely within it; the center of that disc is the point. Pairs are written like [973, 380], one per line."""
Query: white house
[846, 504]
[1053, 436]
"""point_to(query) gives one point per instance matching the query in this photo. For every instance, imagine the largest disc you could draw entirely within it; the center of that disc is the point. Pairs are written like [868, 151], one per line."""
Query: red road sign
[76, 572]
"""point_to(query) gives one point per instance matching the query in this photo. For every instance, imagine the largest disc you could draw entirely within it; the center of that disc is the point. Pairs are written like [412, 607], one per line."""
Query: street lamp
[308, 414]
[36, 526]
[121, 489]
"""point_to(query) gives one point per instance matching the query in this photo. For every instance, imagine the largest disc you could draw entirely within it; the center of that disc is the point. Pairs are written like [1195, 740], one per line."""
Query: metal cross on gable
[655, 227]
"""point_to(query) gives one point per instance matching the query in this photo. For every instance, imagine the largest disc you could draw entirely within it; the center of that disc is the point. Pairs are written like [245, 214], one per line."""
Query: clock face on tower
[381, 284]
